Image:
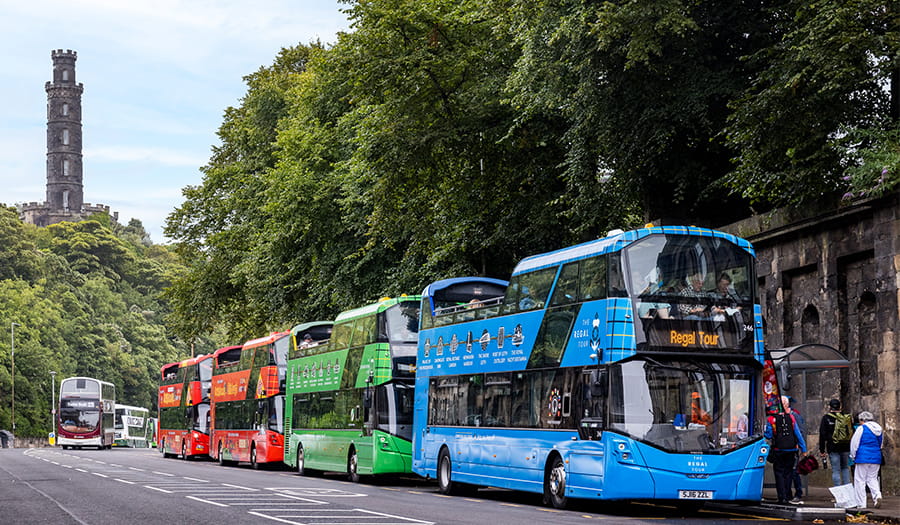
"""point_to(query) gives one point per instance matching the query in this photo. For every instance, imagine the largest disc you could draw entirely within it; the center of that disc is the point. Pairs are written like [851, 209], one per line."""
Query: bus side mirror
[367, 398]
[784, 377]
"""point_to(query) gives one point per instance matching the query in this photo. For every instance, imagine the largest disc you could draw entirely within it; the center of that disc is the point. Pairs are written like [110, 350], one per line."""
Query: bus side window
[616, 277]
[566, 286]
[593, 278]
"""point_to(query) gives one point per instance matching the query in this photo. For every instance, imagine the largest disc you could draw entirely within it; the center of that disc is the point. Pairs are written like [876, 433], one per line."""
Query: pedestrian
[835, 432]
[865, 451]
[786, 440]
[796, 478]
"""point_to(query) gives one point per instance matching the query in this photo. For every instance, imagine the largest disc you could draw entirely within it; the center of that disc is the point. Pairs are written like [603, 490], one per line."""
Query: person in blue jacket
[865, 451]
[786, 439]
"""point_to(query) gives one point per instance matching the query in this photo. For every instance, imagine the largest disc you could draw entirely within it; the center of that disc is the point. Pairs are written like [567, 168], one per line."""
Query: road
[96, 487]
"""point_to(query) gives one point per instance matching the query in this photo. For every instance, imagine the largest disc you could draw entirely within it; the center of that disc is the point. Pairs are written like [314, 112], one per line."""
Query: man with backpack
[786, 438]
[835, 432]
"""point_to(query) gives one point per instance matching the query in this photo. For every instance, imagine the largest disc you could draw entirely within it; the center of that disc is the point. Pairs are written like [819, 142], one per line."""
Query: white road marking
[207, 501]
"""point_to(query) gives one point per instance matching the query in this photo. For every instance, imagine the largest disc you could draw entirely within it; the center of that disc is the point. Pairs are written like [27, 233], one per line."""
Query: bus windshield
[402, 322]
[79, 416]
[682, 406]
[683, 284]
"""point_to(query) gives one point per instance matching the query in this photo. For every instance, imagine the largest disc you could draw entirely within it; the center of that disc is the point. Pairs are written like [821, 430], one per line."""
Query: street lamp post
[52, 402]
[12, 336]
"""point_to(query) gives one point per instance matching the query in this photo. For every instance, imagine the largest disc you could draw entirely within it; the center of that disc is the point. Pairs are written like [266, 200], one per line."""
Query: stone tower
[65, 170]
[65, 191]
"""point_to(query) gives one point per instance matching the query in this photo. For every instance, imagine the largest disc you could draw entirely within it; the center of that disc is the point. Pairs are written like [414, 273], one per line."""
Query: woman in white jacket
[865, 450]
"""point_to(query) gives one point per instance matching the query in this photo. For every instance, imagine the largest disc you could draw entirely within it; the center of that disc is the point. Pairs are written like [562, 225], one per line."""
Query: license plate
[695, 494]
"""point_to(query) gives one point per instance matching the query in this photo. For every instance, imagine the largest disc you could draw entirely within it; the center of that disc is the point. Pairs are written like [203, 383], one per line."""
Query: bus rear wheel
[184, 449]
[445, 473]
[254, 464]
[353, 467]
[301, 471]
[555, 484]
[222, 461]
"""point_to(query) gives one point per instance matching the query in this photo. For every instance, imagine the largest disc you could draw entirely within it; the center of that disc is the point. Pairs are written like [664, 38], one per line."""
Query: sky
[157, 79]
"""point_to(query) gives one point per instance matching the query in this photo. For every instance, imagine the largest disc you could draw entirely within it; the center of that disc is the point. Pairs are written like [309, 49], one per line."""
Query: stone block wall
[833, 277]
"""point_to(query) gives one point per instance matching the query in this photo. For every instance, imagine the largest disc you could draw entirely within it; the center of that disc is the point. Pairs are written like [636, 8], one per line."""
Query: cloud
[145, 155]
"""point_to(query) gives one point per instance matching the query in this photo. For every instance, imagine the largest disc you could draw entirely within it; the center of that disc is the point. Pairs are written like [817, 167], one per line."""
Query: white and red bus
[87, 411]
[247, 401]
[184, 407]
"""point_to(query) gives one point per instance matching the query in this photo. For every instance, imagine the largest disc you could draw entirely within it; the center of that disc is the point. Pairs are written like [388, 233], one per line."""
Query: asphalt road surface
[122, 486]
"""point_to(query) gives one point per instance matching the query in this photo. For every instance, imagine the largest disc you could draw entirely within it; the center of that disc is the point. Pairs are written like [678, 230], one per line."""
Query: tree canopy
[440, 138]
[86, 301]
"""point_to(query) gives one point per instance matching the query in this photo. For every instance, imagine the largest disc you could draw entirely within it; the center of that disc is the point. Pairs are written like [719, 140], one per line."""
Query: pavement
[818, 504]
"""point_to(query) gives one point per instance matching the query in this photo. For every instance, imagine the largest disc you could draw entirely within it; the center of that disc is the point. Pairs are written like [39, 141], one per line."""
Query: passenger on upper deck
[726, 299]
[694, 288]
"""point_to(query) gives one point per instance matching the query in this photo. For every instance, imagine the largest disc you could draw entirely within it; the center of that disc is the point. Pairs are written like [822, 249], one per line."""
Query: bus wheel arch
[555, 478]
[353, 465]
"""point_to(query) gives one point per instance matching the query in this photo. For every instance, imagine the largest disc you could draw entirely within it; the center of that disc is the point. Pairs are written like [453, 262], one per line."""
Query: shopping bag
[844, 496]
[807, 465]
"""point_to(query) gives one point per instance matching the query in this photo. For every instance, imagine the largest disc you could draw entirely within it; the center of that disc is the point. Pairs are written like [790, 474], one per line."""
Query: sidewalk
[820, 497]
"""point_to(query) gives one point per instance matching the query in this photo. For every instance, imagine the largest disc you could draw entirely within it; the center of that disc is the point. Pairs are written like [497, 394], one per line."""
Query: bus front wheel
[445, 473]
[353, 466]
[555, 484]
[184, 449]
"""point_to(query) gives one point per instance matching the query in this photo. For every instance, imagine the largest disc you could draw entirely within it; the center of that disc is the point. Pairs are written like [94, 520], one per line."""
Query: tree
[643, 89]
[819, 96]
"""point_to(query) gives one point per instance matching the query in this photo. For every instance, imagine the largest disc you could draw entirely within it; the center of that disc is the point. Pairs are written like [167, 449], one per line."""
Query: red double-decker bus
[184, 407]
[247, 401]
[87, 411]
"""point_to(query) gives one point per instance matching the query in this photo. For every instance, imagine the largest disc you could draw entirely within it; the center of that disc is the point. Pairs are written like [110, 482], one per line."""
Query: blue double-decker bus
[626, 368]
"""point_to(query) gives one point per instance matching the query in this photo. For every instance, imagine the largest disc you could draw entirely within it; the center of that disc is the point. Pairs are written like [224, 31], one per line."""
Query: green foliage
[826, 71]
[440, 138]
[87, 302]
[876, 167]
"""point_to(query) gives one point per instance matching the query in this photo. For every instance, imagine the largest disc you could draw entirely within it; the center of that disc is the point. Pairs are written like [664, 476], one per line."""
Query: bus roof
[436, 286]
[616, 241]
[376, 307]
[102, 382]
[129, 407]
[302, 327]
[269, 339]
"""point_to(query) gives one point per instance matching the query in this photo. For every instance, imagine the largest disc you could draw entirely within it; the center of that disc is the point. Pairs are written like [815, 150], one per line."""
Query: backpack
[784, 438]
[843, 428]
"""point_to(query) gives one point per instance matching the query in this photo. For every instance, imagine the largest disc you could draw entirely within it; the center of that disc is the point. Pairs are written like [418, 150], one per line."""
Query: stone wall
[834, 278]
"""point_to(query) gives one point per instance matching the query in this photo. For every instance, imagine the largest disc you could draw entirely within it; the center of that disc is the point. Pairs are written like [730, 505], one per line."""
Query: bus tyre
[254, 464]
[445, 473]
[184, 449]
[353, 466]
[300, 461]
[555, 484]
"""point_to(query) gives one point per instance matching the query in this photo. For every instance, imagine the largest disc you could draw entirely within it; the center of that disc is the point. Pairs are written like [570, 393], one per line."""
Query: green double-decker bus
[349, 402]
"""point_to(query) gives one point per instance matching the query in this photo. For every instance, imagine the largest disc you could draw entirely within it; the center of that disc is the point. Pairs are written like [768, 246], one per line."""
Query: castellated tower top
[63, 68]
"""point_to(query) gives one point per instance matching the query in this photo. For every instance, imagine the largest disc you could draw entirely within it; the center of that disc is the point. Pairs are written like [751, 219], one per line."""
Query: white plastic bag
[844, 496]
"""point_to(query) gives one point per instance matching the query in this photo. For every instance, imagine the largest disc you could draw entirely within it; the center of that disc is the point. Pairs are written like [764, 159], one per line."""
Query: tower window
[65, 202]
[65, 75]
[65, 109]
[65, 167]
[65, 137]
